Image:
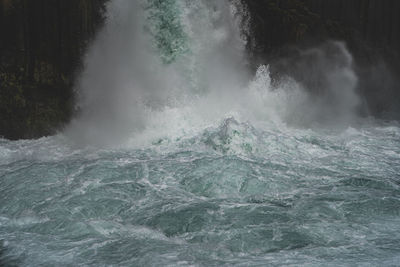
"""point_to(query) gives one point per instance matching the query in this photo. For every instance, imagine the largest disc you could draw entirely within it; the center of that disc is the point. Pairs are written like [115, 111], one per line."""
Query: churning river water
[191, 161]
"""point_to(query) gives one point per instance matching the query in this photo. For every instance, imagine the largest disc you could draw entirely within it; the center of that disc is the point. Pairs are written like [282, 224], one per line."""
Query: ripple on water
[286, 197]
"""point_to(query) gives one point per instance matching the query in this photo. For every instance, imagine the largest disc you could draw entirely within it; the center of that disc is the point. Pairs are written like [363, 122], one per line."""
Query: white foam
[128, 96]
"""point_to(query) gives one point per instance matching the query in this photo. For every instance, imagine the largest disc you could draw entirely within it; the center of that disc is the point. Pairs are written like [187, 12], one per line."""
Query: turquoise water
[182, 156]
[231, 195]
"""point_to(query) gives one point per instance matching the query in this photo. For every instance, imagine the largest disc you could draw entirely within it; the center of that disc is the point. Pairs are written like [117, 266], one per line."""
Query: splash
[167, 69]
[225, 166]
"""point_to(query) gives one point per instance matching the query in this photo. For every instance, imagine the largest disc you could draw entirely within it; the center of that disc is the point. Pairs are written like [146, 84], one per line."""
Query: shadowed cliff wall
[41, 44]
[370, 29]
[377, 21]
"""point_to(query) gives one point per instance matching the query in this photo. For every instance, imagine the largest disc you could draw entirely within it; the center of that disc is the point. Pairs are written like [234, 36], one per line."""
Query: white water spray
[172, 68]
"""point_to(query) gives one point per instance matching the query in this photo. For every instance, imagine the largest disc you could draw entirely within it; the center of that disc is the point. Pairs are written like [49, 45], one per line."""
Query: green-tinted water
[232, 194]
[199, 163]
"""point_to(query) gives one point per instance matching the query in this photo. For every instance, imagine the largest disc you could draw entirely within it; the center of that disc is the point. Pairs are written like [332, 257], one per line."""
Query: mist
[151, 74]
[191, 147]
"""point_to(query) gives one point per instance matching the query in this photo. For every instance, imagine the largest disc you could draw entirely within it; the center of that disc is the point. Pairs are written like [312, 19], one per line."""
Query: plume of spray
[172, 68]
[111, 86]
[325, 75]
[152, 56]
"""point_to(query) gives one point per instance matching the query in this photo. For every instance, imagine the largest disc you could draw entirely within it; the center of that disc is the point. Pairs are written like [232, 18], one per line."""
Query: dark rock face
[40, 49]
[378, 22]
[282, 29]
[276, 23]
[42, 43]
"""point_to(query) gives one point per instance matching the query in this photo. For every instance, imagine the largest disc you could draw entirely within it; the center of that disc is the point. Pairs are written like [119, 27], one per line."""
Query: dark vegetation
[42, 43]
